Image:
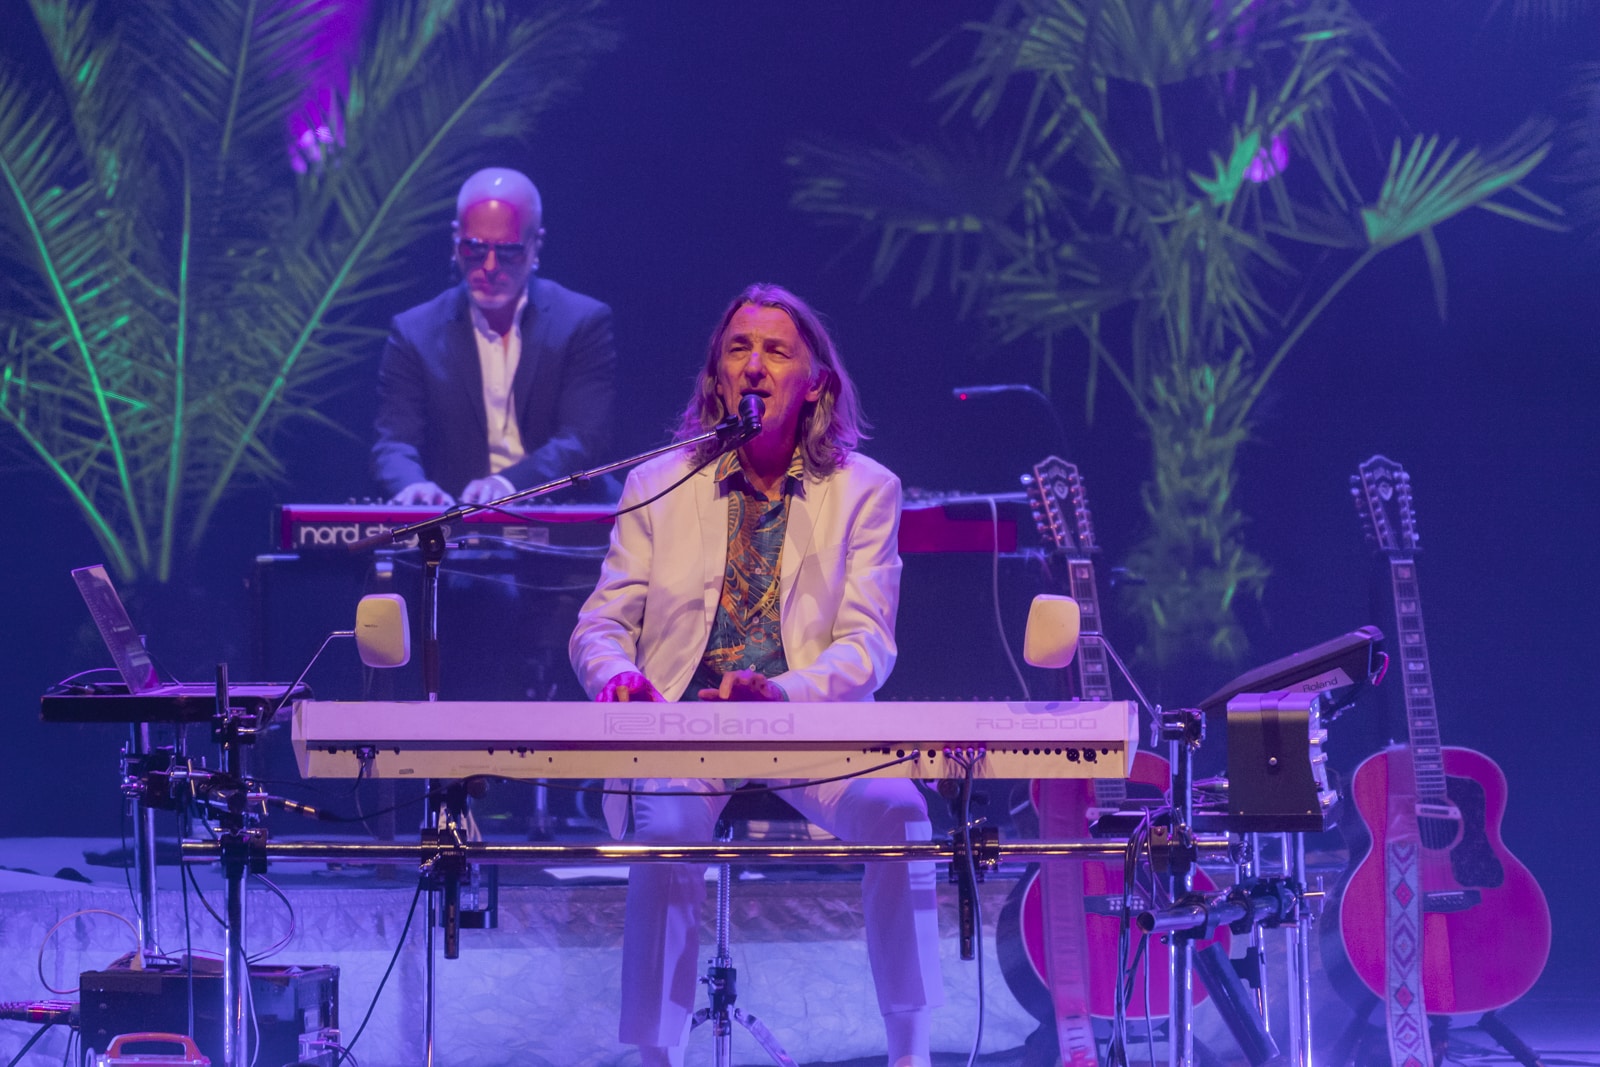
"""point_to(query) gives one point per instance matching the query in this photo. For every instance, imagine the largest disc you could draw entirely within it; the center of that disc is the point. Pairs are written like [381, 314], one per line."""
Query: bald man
[505, 380]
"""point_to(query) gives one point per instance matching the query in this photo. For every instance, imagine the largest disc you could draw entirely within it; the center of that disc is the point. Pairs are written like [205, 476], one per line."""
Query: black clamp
[1264, 902]
[244, 850]
[1187, 726]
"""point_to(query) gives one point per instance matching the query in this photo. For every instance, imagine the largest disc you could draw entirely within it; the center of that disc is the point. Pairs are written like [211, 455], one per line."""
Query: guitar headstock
[1055, 491]
[1382, 494]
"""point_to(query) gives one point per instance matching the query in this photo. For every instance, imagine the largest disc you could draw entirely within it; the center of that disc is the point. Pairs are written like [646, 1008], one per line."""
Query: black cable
[220, 921]
[1157, 891]
[278, 946]
[754, 787]
[651, 500]
[341, 1052]
[404, 930]
[188, 929]
[758, 787]
[1117, 1049]
[127, 868]
[37, 1034]
[965, 817]
[69, 679]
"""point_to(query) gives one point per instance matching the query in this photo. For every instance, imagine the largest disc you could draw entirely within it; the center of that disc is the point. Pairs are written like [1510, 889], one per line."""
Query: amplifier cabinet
[288, 1001]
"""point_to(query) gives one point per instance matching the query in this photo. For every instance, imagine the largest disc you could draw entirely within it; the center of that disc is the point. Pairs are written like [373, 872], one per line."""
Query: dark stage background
[665, 192]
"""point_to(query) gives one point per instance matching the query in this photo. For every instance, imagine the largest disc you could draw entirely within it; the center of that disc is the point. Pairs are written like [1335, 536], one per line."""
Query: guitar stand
[1268, 902]
[721, 982]
[1362, 1044]
[1491, 1024]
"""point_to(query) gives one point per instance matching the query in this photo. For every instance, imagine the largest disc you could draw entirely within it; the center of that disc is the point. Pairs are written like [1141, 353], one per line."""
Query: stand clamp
[1266, 902]
[449, 871]
[974, 849]
[243, 851]
[1184, 726]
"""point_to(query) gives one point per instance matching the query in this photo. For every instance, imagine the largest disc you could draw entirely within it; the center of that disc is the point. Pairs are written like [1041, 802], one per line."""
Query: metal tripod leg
[721, 981]
[1507, 1039]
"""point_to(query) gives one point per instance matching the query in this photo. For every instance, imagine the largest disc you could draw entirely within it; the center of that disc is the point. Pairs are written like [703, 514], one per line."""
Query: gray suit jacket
[431, 424]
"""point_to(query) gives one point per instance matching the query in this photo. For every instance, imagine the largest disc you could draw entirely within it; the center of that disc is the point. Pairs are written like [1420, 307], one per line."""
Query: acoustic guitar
[1055, 487]
[1485, 923]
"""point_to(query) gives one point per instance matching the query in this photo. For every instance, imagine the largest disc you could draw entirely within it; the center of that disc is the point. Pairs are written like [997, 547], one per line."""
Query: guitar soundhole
[1437, 833]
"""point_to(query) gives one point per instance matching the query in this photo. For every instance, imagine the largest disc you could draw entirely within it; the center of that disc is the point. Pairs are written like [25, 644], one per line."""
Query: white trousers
[661, 932]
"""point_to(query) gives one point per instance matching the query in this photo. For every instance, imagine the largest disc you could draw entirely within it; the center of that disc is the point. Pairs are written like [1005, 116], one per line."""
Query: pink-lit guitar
[1486, 926]
[1056, 486]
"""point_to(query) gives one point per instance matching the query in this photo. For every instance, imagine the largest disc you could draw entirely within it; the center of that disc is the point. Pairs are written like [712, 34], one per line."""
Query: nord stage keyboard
[934, 524]
[579, 739]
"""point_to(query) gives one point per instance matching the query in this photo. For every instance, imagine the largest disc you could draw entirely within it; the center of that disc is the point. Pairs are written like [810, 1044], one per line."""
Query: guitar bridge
[1451, 900]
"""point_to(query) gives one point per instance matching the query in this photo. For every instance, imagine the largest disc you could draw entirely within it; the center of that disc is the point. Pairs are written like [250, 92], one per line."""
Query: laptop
[133, 662]
[147, 699]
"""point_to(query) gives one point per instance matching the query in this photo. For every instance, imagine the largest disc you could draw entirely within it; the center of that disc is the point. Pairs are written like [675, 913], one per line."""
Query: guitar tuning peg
[1027, 480]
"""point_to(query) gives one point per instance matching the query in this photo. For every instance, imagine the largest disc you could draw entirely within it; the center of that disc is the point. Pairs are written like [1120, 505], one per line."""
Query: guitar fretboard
[1094, 674]
[1422, 717]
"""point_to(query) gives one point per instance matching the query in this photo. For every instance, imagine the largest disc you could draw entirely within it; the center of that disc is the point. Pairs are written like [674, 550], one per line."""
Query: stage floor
[542, 988]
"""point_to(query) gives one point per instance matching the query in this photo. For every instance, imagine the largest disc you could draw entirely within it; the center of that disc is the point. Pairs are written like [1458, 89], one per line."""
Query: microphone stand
[442, 821]
[431, 532]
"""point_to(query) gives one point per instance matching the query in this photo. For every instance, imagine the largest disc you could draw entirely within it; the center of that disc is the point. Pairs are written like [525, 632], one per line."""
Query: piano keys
[579, 739]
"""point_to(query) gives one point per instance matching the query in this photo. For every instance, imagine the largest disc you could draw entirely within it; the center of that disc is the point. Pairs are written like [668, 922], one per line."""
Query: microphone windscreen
[1052, 634]
[383, 632]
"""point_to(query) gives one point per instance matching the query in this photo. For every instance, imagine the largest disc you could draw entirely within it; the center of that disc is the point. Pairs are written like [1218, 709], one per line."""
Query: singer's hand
[745, 685]
[424, 493]
[629, 686]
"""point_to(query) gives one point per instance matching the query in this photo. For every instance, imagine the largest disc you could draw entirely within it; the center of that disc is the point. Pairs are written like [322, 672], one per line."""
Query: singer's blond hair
[831, 427]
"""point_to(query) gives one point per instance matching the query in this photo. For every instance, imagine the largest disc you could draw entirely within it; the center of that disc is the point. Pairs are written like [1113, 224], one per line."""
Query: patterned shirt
[746, 635]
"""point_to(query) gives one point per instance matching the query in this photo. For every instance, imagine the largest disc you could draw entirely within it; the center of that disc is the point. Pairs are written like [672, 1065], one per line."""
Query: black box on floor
[288, 1002]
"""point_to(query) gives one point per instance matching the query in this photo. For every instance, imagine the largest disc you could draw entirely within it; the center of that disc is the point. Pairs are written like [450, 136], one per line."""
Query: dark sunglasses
[475, 252]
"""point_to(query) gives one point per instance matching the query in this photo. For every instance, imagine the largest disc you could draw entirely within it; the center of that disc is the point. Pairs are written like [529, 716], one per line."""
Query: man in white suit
[772, 573]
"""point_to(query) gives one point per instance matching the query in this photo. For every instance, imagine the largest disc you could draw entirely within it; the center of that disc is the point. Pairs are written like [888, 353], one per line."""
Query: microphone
[971, 392]
[735, 430]
[751, 409]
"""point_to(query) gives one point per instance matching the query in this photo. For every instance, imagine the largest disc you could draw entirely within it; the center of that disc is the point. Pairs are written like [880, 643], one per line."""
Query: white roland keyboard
[572, 739]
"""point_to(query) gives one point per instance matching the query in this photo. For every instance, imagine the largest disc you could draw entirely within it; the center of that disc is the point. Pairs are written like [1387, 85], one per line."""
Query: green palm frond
[69, 272]
[946, 211]
[1185, 179]
[422, 120]
[1427, 185]
[160, 332]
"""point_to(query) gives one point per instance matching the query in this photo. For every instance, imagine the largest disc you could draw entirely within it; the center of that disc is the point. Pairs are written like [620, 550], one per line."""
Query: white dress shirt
[498, 355]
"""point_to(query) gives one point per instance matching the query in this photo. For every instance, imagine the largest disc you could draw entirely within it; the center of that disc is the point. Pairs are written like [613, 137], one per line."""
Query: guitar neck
[1422, 717]
[1094, 673]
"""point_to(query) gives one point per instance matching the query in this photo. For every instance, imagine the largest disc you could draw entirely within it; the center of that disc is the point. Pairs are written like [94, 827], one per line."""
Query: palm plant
[1169, 204]
[175, 294]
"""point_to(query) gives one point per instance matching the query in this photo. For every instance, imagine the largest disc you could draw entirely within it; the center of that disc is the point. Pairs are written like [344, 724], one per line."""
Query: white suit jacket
[839, 583]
